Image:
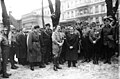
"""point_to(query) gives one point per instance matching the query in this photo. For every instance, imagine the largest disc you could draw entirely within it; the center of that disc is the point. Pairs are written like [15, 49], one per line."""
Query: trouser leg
[32, 66]
[5, 59]
[55, 61]
[12, 52]
[69, 63]
[74, 63]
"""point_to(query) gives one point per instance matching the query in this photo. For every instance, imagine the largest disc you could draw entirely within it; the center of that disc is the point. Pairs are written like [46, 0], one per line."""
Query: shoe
[47, 63]
[88, 60]
[32, 68]
[74, 66]
[42, 66]
[95, 62]
[55, 68]
[14, 67]
[6, 75]
[69, 66]
[83, 61]
[109, 62]
[58, 67]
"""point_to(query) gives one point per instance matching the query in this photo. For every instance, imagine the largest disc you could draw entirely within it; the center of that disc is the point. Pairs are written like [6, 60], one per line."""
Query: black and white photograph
[59, 39]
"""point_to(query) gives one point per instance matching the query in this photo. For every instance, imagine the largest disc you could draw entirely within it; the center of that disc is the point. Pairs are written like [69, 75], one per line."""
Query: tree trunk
[51, 6]
[43, 23]
[5, 16]
[55, 15]
[109, 7]
[111, 11]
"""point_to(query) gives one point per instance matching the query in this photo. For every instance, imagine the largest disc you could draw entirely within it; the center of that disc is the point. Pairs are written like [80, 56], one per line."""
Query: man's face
[107, 22]
[47, 27]
[5, 31]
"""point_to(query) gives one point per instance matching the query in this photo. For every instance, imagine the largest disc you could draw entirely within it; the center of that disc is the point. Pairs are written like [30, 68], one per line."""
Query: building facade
[72, 11]
[87, 10]
[35, 18]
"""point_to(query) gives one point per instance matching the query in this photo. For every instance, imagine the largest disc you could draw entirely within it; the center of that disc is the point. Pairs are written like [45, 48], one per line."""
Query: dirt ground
[82, 71]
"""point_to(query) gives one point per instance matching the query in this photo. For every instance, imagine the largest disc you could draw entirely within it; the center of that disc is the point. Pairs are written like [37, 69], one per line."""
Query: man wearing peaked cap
[108, 18]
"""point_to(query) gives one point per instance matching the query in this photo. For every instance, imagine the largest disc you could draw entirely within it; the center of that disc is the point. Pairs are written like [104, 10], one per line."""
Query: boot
[58, 67]
[74, 63]
[95, 62]
[32, 66]
[69, 64]
[107, 61]
[42, 65]
[55, 68]
[6, 75]
[14, 67]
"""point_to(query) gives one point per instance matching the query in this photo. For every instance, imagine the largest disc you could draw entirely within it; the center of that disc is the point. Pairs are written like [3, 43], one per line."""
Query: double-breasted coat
[34, 47]
[72, 40]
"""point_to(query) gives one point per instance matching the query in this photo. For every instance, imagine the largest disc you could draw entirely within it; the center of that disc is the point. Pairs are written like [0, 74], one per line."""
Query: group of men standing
[42, 46]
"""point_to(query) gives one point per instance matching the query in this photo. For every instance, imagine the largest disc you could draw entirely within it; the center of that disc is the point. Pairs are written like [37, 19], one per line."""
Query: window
[68, 5]
[76, 13]
[81, 12]
[91, 10]
[96, 9]
[63, 16]
[72, 14]
[97, 19]
[68, 14]
[85, 11]
[103, 8]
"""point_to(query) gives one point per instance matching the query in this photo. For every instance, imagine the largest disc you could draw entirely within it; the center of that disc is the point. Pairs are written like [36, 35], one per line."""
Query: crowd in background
[82, 41]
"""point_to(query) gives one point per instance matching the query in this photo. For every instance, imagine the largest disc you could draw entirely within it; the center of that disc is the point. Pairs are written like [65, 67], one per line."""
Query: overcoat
[22, 45]
[72, 40]
[34, 48]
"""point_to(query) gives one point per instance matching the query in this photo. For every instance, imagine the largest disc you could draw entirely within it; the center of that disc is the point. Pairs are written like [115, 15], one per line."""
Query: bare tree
[55, 14]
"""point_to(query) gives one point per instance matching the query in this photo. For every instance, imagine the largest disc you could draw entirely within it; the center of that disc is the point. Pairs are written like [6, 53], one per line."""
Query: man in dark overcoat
[22, 47]
[47, 44]
[33, 47]
[72, 47]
